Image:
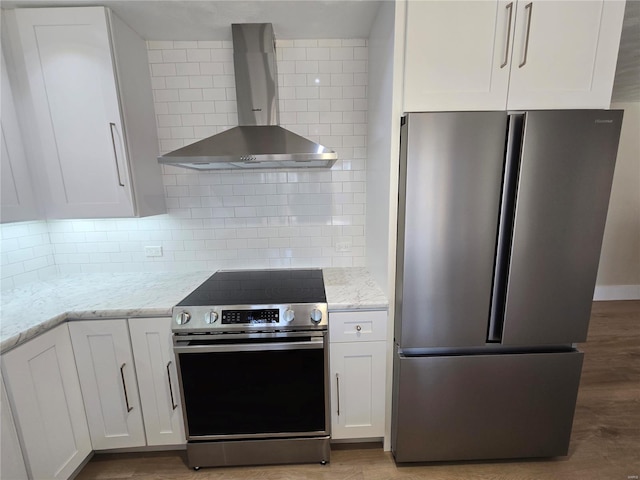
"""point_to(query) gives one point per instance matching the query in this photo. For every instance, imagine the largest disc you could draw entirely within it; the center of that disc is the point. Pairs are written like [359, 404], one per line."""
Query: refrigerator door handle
[505, 227]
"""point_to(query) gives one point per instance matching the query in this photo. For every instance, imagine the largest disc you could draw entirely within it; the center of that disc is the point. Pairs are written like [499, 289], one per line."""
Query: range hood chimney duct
[258, 141]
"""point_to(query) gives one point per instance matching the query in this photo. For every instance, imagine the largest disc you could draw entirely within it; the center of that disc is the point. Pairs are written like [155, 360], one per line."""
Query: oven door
[258, 385]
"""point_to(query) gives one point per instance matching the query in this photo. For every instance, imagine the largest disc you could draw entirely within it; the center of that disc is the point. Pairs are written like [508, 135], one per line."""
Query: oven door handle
[250, 347]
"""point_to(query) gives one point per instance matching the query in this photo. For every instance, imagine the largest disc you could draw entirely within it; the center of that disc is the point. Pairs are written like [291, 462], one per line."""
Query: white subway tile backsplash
[155, 56]
[170, 55]
[163, 69]
[224, 54]
[190, 94]
[200, 81]
[321, 53]
[254, 219]
[176, 82]
[189, 68]
[308, 66]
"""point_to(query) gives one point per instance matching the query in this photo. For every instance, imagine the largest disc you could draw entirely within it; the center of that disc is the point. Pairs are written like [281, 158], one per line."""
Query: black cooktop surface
[259, 287]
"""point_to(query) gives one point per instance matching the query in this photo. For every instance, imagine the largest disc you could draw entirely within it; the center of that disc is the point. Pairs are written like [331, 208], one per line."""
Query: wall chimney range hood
[258, 141]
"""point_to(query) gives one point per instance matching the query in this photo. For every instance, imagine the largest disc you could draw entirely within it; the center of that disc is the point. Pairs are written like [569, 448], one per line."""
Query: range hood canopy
[259, 142]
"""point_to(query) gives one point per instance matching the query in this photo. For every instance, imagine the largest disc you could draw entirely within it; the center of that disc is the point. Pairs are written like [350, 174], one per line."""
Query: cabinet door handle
[115, 154]
[529, 6]
[338, 391]
[124, 387]
[506, 52]
[173, 404]
[358, 328]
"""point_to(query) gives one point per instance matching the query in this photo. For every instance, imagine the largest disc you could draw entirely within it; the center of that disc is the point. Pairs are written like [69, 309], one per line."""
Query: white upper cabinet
[90, 99]
[17, 199]
[454, 53]
[569, 59]
[496, 55]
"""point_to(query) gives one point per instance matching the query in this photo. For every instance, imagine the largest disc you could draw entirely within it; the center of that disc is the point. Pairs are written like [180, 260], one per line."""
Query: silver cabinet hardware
[173, 404]
[529, 7]
[124, 387]
[115, 154]
[506, 52]
[338, 391]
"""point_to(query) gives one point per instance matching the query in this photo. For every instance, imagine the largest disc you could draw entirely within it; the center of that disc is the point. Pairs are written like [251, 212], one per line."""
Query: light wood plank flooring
[605, 443]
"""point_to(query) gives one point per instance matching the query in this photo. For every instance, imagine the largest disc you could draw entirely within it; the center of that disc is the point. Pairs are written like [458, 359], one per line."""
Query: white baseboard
[617, 292]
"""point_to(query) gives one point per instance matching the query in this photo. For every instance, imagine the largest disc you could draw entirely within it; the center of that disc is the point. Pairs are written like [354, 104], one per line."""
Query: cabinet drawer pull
[173, 404]
[506, 52]
[529, 7]
[358, 328]
[124, 387]
[115, 154]
[338, 391]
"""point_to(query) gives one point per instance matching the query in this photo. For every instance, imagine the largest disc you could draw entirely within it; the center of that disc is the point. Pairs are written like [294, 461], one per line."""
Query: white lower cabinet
[43, 386]
[129, 382]
[108, 379]
[157, 380]
[357, 359]
[11, 460]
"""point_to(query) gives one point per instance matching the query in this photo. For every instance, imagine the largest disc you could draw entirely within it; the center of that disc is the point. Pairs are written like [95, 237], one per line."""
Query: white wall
[242, 219]
[381, 49]
[619, 270]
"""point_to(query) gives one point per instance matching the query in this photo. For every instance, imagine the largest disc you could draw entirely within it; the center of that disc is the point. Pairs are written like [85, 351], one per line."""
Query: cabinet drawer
[357, 326]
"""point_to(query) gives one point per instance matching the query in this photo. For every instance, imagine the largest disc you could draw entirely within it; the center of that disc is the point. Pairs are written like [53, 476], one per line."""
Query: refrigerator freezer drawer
[483, 406]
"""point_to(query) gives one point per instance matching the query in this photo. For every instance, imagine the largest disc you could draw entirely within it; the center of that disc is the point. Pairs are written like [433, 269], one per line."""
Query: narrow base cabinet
[157, 380]
[43, 386]
[357, 359]
[109, 386]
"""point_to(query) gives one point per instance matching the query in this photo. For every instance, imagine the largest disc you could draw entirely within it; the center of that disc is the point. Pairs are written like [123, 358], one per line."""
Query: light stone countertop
[32, 309]
[352, 288]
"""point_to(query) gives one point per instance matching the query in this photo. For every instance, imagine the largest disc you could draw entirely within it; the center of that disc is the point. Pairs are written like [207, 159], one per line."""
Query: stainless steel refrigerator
[500, 226]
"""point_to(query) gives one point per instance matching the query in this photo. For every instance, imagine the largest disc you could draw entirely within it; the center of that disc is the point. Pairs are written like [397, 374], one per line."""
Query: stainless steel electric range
[252, 356]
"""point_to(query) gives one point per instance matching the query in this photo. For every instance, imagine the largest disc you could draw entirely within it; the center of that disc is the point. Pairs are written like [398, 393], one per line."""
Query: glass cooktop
[259, 287]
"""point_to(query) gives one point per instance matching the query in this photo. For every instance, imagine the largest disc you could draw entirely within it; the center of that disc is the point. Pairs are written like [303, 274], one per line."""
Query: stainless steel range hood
[259, 142]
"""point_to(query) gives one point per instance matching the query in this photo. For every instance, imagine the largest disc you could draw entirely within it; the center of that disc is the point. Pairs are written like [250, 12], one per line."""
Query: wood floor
[605, 443]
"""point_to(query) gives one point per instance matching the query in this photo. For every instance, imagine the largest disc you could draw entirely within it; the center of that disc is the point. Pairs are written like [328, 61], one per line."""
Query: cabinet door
[17, 199]
[12, 462]
[43, 385]
[67, 56]
[157, 380]
[358, 372]
[457, 55]
[108, 380]
[565, 54]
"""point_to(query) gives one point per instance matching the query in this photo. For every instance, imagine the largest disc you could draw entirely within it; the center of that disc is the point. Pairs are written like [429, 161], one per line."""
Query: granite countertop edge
[346, 289]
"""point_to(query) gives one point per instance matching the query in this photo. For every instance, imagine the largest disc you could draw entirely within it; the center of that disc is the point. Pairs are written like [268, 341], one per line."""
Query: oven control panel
[250, 317]
[235, 318]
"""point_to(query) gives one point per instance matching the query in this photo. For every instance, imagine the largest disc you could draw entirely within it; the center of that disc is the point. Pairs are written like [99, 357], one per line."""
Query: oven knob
[316, 315]
[182, 318]
[211, 317]
[289, 315]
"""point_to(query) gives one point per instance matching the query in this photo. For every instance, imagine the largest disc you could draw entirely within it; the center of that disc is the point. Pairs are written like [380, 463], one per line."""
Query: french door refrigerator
[500, 225]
